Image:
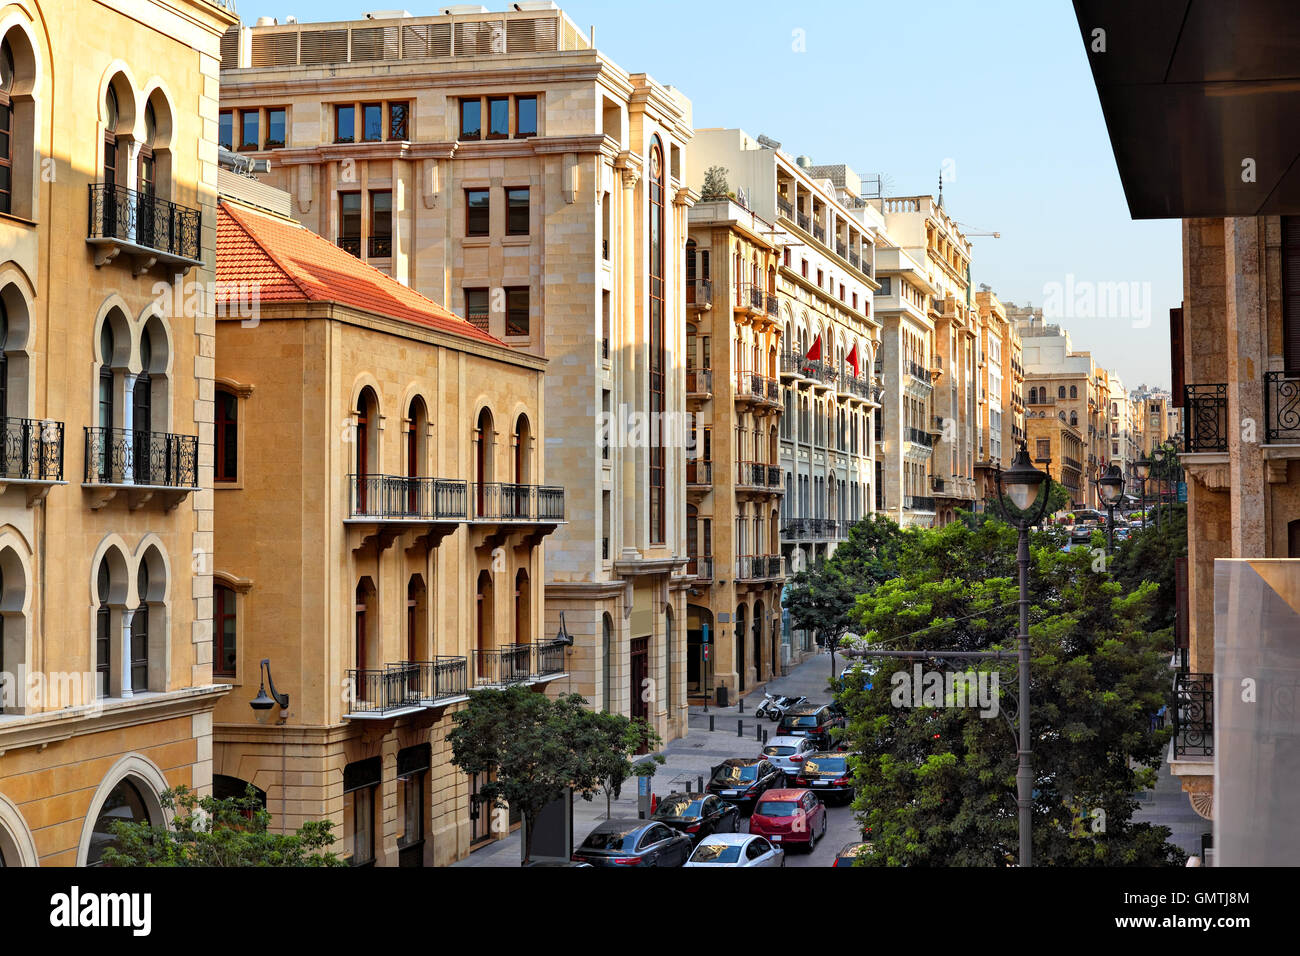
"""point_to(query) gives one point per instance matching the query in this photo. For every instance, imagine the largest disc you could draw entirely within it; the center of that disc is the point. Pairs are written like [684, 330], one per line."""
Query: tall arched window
[224, 625]
[416, 618]
[484, 446]
[124, 804]
[146, 181]
[364, 611]
[4, 361]
[523, 451]
[1060, 391]
[607, 661]
[365, 438]
[6, 127]
[417, 416]
[1074, 391]
[140, 632]
[142, 414]
[107, 345]
[227, 436]
[658, 345]
[104, 631]
[483, 640]
[523, 609]
[669, 647]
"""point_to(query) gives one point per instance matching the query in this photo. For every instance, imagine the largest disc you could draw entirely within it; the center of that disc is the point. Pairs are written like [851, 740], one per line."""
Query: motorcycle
[774, 707]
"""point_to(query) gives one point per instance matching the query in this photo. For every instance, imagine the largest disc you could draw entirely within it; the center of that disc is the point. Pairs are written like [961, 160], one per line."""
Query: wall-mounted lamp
[262, 704]
[562, 636]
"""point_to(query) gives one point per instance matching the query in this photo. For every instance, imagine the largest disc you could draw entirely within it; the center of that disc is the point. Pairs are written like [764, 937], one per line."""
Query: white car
[787, 754]
[736, 849]
[866, 670]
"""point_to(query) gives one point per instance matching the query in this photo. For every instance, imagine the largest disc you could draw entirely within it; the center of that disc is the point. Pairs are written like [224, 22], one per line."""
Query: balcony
[755, 478]
[496, 501]
[32, 456]
[142, 463]
[794, 365]
[752, 568]
[1074, 463]
[148, 229]
[797, 529]
[783, 208]
[804, 222]
[1194, 717]
[383, 693]
[1206, 410]
[438, 682]
[699, 384]
[699, 476]
[701, 566]
[381, 247]
[699, 294]
[918, 503]
[918, 437]
[819, 233]
[510, 664]
[1281, 409]
[841, 249]
[919, 372]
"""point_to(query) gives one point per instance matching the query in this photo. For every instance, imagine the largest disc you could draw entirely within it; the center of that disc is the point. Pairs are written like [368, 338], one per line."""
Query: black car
[698, 814]
[812, 720]
[620, 843]
[827, 774]
[742, 780]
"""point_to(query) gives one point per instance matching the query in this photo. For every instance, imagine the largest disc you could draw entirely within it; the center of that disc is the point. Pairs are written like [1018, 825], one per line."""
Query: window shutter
[1291, 295]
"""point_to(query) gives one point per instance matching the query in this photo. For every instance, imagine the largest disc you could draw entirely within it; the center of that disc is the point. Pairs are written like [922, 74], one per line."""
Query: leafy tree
[937, 785]
[715, 184]
[617, 740]
[1149, 555]
[207, 831]
[532, 746]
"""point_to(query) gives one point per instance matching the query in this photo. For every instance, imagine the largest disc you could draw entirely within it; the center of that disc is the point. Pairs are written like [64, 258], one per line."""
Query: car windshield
[777, 808]
[734, 773]
[609, 840]
[826, 765]
[804, 720]
[778, 751]
[679, 807]
[715, 853]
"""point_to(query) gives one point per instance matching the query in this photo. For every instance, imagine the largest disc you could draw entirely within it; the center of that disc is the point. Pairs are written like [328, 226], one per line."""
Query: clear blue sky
[998, 91]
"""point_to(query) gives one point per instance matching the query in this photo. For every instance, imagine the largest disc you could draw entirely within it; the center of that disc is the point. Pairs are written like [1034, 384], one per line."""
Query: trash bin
[722, 696]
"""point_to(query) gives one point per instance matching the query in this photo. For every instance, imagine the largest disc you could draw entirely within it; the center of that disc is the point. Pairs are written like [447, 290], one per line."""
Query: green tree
[616, 741]
[937, 785]
[715, 184]
[207, 831]
[533, 748]
[1150, 554]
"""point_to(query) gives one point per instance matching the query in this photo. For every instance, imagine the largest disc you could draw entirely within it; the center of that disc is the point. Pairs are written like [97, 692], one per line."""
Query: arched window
[365, 622]
[140, 632]
[142, 415]
[416, 620]
[6, 127]
[484, 641]
[1060, 391]
[1074, 391]
[1074, 418]
[607, 661]
[484, 447]
[523, 609]
[104, 631]
[19, 185]
[523, 451]
[224, 631]
[366, 421]
[227, 436]
[107, 346]
[417, 427]
[4, 361]
[125, 804]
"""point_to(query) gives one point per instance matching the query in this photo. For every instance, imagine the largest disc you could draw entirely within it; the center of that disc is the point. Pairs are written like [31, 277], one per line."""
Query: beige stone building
[735, 483]
[499, 164]
[386, 456]
[1000, 377]
[1058, 448]
[108, 165]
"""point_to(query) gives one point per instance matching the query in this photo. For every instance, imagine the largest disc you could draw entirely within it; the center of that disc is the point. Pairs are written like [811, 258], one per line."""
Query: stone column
[127, 615]
[1245, 301]
[628, 342]
[128, 428]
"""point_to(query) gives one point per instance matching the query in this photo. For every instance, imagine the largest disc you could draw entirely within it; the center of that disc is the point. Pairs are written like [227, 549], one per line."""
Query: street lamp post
[1158, 456]
[1110, 486]
[1020, 486]
[1143, 468]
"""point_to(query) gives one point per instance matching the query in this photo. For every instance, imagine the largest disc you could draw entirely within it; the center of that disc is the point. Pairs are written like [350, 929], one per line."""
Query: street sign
[705, 631]
[706, 652]
[1182, 492]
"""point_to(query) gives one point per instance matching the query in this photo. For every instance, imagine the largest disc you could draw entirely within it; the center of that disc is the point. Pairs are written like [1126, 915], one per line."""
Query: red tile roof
[290, 263]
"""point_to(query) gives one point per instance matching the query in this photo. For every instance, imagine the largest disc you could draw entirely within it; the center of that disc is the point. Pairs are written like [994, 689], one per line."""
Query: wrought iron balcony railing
[918, 503]
[435, 680]
[819, 233]
[701, 566]
[699, 472]
[32, 450]
[1281, 409]
[351, 245]
[756, 298]
[1206, 410]
[123, 215]
[378, 692]
[797, 529]
[919, 437]
[501, 501]
[805, 222]
[396, 496]
[699, 381]
[1193, 716]
[499, 666]
[772, 304]
[381, 247]
[699, 292]
[784, 208]
[115, 456]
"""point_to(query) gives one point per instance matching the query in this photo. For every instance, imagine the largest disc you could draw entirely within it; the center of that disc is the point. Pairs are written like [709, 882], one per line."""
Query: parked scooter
[774, 707]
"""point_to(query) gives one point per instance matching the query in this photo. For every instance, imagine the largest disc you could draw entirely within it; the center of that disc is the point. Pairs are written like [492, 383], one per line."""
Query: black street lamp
[1143, 469]
[1158, 456]
[1022, 485]
[1111, 487]
[262, 706]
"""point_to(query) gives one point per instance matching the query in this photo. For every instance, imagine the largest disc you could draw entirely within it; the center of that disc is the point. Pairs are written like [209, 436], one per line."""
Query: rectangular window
[248, 126]
[1290, 298]
[410, 813]
[359, 826]
[478, 212]
[381, 224]
[350, 223]
[471, 118]
[476, 308]
[1044, 449]
[345, 124]
[517, 212]
[276, 128]
[372, 122]
[399, 121]
[224, 658]
[517, 311]
[498, 117]
[226, 130]
[526, 116]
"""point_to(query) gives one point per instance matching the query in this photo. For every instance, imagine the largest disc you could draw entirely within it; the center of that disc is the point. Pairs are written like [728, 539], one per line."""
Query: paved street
[692, 758]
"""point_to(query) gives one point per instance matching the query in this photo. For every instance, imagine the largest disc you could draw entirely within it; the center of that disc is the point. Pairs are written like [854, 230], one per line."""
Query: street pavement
[734, 733]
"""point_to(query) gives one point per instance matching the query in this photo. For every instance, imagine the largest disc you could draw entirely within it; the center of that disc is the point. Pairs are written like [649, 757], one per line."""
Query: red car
[789, 816]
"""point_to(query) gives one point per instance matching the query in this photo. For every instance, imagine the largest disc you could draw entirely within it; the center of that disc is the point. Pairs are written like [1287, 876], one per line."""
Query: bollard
[688, 788]
[710, 725]
[700, 780]
[764, 735]
[740, 728]
[758, 732]
[740, 704]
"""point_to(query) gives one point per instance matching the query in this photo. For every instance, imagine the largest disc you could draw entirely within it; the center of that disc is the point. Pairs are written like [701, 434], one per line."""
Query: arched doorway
[523, 609]
[762, 666]
[738, 638]
[483, 641]
[484, 440]
[126, 802]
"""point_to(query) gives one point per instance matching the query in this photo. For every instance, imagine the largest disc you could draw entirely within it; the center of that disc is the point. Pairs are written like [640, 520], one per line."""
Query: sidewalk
[689, 758]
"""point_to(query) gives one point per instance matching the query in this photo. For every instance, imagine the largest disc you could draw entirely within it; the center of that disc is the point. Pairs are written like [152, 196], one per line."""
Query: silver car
[787, 754]
[736, 849]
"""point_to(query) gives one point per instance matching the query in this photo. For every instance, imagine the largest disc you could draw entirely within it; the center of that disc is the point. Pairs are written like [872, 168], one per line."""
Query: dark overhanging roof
[1190, 90]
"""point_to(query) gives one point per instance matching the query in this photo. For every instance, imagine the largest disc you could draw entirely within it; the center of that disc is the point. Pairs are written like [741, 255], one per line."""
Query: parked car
[850, 852]
[828, 774]
[634, 843]
[866, 673]
[698, 815]
[788, 754]
[736, 849]
[811, 720]
[789, 816]
[742, 780]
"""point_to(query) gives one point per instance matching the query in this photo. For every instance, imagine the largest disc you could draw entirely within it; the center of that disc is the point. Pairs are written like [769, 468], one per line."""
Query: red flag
[853, 358]
[815, 353]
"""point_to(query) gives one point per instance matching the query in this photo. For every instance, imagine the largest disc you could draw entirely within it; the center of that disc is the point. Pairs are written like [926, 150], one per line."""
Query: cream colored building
[386, 456]
[499, 164]
[1000, 377]
[735, 483]
[106, 507]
